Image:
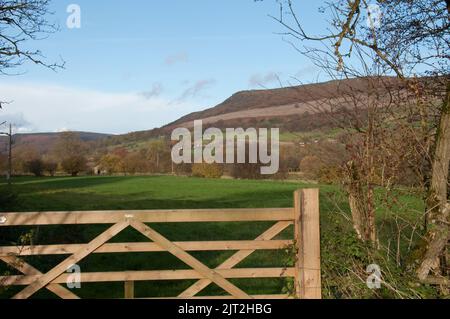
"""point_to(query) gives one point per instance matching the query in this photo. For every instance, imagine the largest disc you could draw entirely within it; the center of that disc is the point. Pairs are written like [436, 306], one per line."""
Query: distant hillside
[278, 103]
[44, 142]
[292, 109]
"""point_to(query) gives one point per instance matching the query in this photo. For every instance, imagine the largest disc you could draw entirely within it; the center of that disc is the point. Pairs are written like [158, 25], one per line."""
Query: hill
[43, 142]
[292, 109]
[283, 102]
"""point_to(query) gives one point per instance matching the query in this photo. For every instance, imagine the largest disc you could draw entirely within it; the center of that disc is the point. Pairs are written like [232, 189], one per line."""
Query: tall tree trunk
[437, 200]
[438, 238]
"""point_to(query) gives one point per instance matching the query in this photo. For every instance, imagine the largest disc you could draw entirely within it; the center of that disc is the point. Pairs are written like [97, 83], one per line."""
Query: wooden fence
[304, 216]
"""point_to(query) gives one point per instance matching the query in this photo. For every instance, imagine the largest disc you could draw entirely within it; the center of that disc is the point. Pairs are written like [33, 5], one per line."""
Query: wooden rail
[304, 216]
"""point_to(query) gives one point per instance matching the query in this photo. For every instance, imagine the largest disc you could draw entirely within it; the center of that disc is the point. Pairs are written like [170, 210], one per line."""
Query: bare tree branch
[22, 21]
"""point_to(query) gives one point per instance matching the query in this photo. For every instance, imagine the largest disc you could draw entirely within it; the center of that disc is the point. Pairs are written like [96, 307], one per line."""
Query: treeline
[151, 158]
[321, 160]
[69, 156]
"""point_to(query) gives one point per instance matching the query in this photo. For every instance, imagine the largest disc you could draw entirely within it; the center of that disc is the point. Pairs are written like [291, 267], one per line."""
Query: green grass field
[165, 192]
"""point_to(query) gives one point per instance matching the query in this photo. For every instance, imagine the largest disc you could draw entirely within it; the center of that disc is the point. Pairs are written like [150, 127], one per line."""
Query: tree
[22, 21]
[50, 167]
[35, 166]
[159, 156]
[70, 150]
[412, 39]
[135, 162]
[22, 155]
[74, 164]
[112, 163]
[69, 144]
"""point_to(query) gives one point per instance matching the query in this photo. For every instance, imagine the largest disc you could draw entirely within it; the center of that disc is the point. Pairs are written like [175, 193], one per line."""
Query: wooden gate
[304, 216]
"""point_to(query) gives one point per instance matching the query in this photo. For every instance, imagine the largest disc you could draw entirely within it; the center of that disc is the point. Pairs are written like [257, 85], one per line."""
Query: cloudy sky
[135, 65]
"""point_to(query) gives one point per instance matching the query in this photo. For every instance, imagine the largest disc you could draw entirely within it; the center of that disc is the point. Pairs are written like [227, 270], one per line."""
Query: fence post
[307, 238]
[129, 289]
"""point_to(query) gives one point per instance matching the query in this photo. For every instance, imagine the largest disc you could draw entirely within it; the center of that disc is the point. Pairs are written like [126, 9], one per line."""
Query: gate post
[307, 240]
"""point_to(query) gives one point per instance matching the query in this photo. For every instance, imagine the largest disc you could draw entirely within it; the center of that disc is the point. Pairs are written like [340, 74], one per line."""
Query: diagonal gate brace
[87, 249]
[235, 259]
[181, 254]
[27, 269]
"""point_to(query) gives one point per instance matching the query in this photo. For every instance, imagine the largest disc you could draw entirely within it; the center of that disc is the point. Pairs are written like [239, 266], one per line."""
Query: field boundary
[305, 245]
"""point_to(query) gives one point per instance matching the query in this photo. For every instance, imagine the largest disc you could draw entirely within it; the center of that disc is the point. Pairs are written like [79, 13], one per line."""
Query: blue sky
[138, 64]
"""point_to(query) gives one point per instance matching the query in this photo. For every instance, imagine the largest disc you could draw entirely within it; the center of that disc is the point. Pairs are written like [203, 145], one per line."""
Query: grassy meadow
[339, 244]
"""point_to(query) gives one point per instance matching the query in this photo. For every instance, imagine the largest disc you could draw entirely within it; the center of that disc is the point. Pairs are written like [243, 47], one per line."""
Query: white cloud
[53, 108]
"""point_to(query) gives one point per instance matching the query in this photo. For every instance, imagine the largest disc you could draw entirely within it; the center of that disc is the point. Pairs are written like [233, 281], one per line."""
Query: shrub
[330, 175]
[183, 169]
[311, 166]
[245, 171]
[112, 163]
[35, 166]
[135, 163]
[207, 170]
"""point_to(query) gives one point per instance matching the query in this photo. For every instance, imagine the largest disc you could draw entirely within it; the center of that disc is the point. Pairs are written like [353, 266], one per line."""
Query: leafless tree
[70, 150]
[22, 21]
[412, 38]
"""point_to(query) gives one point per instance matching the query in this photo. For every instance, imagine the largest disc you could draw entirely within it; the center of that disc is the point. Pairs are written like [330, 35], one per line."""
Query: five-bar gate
[304, 216]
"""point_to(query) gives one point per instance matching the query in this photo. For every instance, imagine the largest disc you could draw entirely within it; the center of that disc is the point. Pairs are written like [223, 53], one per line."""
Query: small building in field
[98, 170]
